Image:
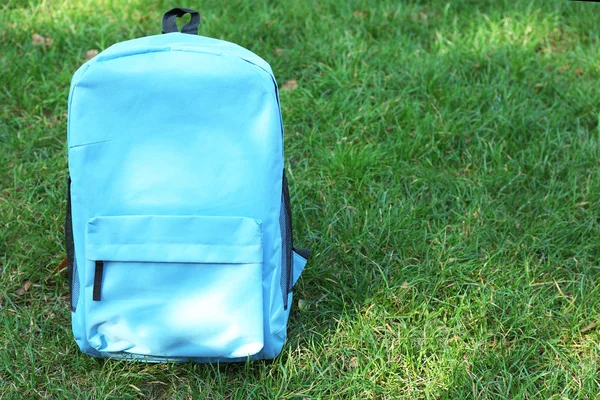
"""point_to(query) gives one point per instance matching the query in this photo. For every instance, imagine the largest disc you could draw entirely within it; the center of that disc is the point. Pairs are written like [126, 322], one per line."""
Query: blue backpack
[179, 231]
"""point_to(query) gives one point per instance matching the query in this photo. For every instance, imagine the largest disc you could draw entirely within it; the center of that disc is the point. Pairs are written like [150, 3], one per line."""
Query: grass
[444, 167]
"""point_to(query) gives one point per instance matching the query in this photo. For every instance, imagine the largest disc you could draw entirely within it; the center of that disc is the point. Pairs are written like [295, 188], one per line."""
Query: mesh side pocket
[74, 283]
[70, 246]
[285, 227]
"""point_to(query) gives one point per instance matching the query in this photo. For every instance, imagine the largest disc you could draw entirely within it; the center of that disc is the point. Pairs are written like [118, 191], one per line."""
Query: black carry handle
[169, 23]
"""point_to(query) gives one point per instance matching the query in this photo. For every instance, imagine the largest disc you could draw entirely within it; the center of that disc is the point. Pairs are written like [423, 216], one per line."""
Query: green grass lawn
[444, 163]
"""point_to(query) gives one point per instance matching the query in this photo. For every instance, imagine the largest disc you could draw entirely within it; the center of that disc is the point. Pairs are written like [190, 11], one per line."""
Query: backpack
[178, 230]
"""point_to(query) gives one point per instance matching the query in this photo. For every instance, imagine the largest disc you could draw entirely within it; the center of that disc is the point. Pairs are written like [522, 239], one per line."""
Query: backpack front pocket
[174, 286]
